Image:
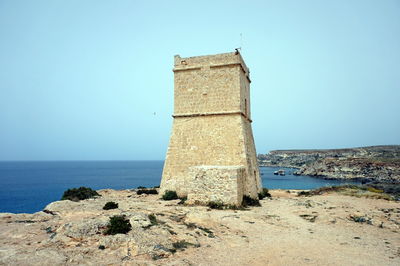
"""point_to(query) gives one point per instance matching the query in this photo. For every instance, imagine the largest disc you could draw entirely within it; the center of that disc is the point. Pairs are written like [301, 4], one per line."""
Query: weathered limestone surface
[285, 230]
[212, 122]
[215, 183]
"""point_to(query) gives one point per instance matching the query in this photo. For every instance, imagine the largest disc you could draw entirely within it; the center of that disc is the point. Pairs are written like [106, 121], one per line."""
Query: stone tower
[211, 154]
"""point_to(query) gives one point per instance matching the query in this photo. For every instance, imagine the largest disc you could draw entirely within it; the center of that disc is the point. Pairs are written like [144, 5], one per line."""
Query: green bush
[77, 194]
[218, 205]
[264, 194]
[181, 245]
[110, 205]
[147, 191]
[118, 225]
[304, 193]
[170, 195]
[374, 190]
[248, 201]
[153, 219]
[182, 200]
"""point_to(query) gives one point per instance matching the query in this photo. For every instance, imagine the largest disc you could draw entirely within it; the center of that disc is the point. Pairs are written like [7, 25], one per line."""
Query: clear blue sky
[82, 79]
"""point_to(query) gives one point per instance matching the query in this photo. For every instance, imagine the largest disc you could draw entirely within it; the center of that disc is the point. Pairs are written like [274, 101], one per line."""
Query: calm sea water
[290, 181]
[30, 186]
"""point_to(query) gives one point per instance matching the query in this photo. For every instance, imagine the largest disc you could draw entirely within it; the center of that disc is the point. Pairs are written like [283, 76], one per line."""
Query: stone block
[207, 183]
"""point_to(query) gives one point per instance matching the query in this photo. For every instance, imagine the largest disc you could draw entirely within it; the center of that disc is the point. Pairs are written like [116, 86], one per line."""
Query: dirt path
[317, 230]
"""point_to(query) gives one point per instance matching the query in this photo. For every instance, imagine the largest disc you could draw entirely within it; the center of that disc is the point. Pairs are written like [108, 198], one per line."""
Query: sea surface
[27, 187]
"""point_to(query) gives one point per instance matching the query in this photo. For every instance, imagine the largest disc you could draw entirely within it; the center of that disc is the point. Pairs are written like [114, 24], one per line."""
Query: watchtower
[211, 154]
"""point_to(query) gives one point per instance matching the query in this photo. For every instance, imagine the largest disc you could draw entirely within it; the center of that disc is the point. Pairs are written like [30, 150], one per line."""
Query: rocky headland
[375, 163]
[332, 228]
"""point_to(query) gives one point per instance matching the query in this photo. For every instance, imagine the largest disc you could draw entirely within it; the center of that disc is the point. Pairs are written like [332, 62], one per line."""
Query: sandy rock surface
[328, 229]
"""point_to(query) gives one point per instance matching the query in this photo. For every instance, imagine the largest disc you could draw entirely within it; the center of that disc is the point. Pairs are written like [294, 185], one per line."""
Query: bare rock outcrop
[353, 168]
[285, 230]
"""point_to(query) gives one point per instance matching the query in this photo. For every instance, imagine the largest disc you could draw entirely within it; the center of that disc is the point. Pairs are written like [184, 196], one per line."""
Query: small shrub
[191, 225]
[218, 205]
[360, 219]
[146, 191]
[210, 233]
[374, 190]
[181, 245]
[264, 194]
[182, 200]
[102, 247]
[236, 208]
[172, 232]
[170, 195]
[77, 194]
[153, 219]
[304, 193]
[118, 225]
[248, 201]
[307, 217]
[110, 205]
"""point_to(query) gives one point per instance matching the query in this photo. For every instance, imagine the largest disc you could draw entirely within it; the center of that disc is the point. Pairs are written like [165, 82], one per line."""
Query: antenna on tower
[241, 41]
[240, 47]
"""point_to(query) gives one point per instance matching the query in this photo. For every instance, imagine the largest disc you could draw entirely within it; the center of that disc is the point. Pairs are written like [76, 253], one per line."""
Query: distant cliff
[378, 163]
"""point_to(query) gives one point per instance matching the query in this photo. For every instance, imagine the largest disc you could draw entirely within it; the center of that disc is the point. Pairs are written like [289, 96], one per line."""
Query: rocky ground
[328, 229]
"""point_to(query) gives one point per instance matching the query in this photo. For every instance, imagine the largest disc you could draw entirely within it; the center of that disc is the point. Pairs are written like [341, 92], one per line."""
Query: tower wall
[212, 124]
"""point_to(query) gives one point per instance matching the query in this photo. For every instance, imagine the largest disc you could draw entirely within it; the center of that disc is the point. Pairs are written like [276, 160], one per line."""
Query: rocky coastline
[369, 164]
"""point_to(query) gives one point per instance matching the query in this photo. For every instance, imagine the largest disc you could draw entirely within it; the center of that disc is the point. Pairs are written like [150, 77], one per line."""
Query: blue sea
[27, 187]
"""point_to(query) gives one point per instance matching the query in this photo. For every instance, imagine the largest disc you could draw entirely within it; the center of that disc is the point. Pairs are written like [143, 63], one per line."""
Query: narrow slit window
[245, 107]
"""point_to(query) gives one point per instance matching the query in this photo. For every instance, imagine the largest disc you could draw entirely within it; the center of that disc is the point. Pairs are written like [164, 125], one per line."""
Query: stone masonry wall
[253, 172]
[216, 183]
[207, 140]
[192, 96]
[211, 124]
